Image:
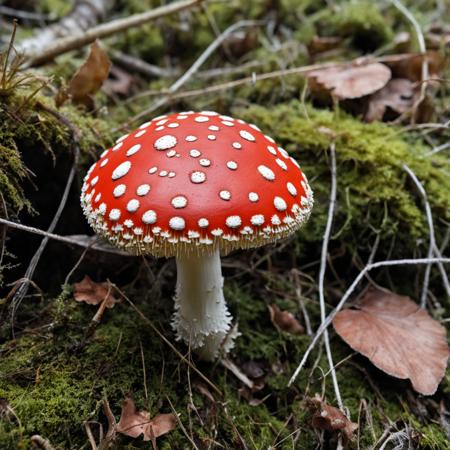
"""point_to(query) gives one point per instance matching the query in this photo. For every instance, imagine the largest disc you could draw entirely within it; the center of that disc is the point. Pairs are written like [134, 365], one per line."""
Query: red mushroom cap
[195, 181]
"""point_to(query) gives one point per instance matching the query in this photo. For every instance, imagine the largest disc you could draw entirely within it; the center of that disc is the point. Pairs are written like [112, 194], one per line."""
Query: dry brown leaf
[347, 81]
[409, 65]
[88, 79]
[285, 321]
[398, 337]
[320, 44]
[329, 418]
[93, 293]
[120, 82]
[397, 97]
[133, 423]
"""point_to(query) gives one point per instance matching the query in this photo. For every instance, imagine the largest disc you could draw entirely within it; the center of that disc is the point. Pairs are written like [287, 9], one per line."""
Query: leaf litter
[94, 293]
[329, 418]
[87, 80]
[133, 422]
[398, 337]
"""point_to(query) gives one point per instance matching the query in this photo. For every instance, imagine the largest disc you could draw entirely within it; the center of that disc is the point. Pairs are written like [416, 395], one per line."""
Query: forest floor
[66, 370]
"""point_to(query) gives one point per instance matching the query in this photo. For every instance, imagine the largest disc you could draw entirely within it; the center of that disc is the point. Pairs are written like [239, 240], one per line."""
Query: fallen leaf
[397, 97]
[320, 44]
[285, 321]
[398, 337]
[329, 418]
[133, 423]
[409, 65]
[253, 369]
[93, 293]
[88, 79]
[348, 81]
[119, 83]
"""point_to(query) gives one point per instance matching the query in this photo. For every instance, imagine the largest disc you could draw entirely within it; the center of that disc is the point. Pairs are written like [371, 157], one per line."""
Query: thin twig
[90, 435]
[251, 80]
[183, 429]
[349, 291]
[138, 65]
[438, 149]
[166, 341]
[323, 267]
[75, 267]
[423, 51]
[68, 43]
[26, 15]
[301, 303]
[433, 248]
[4, 211]
[197, 64]
[22, 291]
[235, 83]
[231, 366]
[112, 426]
[42, 442]
[144, 372]
[88, 242]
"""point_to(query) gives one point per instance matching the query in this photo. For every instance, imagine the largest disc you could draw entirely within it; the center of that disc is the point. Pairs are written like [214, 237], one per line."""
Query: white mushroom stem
[201, 317]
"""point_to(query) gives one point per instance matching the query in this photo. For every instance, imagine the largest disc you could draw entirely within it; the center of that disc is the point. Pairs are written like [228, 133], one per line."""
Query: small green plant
[12, 76]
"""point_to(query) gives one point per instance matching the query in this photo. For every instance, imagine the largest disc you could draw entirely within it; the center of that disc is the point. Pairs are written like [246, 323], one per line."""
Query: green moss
[12, 172]
[363, 22]
[147, 42]
[55, 7]
[28, 132]
[54, 384]
[374, 193]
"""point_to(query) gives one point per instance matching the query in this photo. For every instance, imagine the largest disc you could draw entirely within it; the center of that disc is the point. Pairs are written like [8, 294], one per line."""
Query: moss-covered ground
[54, 375]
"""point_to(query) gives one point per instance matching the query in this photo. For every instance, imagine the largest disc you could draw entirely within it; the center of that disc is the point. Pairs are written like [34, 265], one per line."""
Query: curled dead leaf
[397, 97]
[93, 293]
[398, 337]
[348, 81]
[285, 321]
[133, 423]
[409, 65]
[119, 83]
[329, 418]
[88, 79]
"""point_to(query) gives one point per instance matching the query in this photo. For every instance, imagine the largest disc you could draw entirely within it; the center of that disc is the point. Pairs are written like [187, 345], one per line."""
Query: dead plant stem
[322, 270]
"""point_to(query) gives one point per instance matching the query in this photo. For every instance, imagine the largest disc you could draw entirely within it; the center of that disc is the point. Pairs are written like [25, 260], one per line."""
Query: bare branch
[84, 15]
[78, 40]
[197, 64]
[80, 240]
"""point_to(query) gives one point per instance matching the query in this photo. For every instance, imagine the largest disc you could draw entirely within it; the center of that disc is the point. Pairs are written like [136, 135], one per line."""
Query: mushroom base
[201, 317]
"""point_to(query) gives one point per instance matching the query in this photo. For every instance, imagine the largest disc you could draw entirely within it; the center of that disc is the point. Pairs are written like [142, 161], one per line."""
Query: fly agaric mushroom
[195, 186]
